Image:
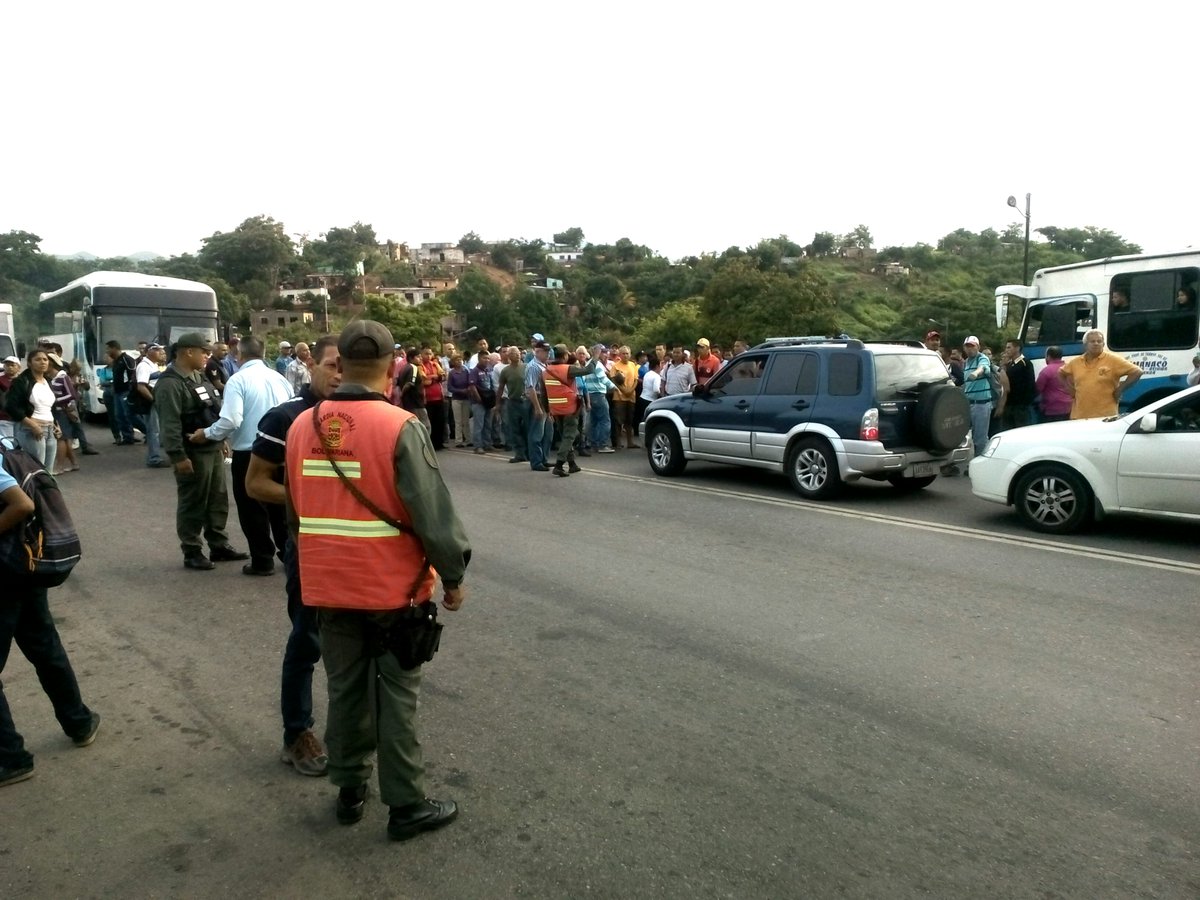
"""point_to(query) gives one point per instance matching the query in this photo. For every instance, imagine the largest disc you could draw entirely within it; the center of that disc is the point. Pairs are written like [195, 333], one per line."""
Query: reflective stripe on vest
[349, 557]
[562, 397]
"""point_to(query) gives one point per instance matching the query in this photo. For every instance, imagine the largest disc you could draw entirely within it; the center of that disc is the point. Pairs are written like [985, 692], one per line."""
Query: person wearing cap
[541, 427]
[184, 401]
[1096, 380]
[392, 514]
[149, 370]
[30, 403]
[284, 359]
[65, 403]
[252, 391]
[707, 363]
[978, 390]
[933, 341]
[562, 402]
[12, 368]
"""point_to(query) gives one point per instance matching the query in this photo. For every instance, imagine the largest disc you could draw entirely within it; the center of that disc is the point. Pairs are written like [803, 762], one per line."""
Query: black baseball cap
[364, 339]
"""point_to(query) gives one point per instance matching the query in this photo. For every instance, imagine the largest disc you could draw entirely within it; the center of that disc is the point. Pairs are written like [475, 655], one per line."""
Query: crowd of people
[1006, 394]
[501, 399]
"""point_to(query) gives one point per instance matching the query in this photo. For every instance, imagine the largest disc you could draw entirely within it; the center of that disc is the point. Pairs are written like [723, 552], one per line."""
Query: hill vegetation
[619, 292]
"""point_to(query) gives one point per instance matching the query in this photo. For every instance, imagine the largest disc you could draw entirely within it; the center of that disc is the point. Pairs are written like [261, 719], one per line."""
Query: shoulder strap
[350, 486]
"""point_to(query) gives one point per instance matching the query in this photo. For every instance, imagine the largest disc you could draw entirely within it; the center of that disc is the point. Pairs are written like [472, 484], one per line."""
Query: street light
[458, 334]
[1012, 201]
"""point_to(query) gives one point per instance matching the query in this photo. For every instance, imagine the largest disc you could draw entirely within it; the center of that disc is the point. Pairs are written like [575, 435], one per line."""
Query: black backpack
[44, 548]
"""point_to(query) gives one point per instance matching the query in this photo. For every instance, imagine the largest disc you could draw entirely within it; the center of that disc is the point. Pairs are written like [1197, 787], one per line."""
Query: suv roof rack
[852, 343]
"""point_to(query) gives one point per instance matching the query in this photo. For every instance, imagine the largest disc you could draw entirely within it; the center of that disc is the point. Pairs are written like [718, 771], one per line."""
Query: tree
[1089, 242]
[471, 243]
[859, 237]
[743, 301]
[572, 237]
[823, 244]
[408, 324]
[256, 250]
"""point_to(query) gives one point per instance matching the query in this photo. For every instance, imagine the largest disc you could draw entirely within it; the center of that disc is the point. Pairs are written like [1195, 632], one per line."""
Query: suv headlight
[992, 446]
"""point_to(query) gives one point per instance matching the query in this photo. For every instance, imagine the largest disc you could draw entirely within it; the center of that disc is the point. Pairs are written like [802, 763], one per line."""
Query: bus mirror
[1002, 311]
[21, 352]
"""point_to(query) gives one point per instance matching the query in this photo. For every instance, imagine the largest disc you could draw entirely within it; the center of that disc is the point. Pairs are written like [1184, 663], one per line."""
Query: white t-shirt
[42, 399]
[651, 382]
[147, 373]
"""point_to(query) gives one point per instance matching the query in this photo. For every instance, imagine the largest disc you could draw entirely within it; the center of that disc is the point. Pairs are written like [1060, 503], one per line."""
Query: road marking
[979, 534]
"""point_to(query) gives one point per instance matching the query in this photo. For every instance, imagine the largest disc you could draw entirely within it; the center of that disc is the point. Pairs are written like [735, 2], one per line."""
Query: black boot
[558, 470]
[572, 467]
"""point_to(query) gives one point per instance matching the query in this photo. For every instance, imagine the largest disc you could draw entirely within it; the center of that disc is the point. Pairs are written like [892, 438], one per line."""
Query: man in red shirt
[707, 362]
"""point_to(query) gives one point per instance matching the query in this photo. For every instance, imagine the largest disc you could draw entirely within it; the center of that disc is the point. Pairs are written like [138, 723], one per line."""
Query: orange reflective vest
[349, 557]
[562, 394]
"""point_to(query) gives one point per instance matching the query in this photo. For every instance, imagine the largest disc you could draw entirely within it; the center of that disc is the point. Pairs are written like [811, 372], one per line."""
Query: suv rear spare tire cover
[943, 417]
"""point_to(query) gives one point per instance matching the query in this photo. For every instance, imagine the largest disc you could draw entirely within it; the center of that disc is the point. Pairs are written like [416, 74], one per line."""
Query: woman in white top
[31, 404]
[651, 385]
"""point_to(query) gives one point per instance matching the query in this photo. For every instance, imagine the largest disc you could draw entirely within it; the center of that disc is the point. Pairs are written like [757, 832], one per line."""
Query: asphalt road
[693, 687]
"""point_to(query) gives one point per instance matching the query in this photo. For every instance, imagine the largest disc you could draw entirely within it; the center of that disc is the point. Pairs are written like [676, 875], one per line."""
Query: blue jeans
[541, 434]
[119, 419]
[154, 453]
[601, 430]
[516, 418]
[43, 449]
[981, 420]
[301, 655]
[25, 618]
[480, 429]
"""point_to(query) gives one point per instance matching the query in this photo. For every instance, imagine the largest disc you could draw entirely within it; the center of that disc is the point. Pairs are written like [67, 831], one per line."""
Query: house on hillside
[856, 253]
[408, 296]
[272, 319]
[891, 269]
[301, 295]
[563, 254]
[429, 254]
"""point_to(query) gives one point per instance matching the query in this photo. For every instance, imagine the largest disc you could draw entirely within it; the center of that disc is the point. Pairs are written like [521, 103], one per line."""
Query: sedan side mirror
[1147, 424]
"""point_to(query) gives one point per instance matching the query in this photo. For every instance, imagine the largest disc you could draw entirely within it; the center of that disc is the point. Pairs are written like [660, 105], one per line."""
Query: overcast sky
[688, 127]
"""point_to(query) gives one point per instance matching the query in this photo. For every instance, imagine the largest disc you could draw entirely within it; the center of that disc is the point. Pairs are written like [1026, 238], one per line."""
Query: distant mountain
[140, 256]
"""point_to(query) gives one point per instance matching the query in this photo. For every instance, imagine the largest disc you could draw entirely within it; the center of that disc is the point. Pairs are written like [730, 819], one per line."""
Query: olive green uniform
[570, 424]
[360, 721]
[185, 403]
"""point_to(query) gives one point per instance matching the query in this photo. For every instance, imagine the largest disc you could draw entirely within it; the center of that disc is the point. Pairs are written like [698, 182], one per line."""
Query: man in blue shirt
[541, 428]
[25, 618]
[252, 391]
[302, 749]
[978, 388]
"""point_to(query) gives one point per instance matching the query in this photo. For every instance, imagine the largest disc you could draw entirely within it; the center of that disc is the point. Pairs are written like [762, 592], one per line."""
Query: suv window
[793, 373]
[845, 375]
[739, 379]
[899, 376]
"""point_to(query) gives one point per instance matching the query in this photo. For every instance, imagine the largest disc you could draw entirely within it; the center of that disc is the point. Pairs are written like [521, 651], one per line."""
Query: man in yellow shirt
[1096, 379]
[624, 397]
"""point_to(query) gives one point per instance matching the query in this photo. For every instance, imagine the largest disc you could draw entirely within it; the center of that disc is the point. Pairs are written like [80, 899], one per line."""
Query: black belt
[978, 402]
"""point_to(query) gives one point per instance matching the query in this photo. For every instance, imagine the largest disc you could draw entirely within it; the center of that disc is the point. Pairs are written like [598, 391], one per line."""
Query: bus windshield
[1061, 320]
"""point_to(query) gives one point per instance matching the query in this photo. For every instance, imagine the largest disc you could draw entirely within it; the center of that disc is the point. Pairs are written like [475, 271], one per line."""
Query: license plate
[920, 470]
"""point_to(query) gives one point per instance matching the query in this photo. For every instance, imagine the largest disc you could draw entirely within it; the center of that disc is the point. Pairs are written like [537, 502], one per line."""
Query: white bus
[126, 307]
[1145, 305]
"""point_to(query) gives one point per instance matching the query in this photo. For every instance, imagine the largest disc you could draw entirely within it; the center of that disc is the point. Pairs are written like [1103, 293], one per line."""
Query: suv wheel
[664, 450]
[812, 468]
[1053, 499]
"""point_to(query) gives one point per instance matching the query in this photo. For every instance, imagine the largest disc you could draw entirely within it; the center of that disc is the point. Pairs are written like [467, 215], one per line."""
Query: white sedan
[1061, 475]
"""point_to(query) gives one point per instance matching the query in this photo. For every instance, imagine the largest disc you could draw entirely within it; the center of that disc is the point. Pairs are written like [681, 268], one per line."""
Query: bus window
[1063, 320]
[1153, 310]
